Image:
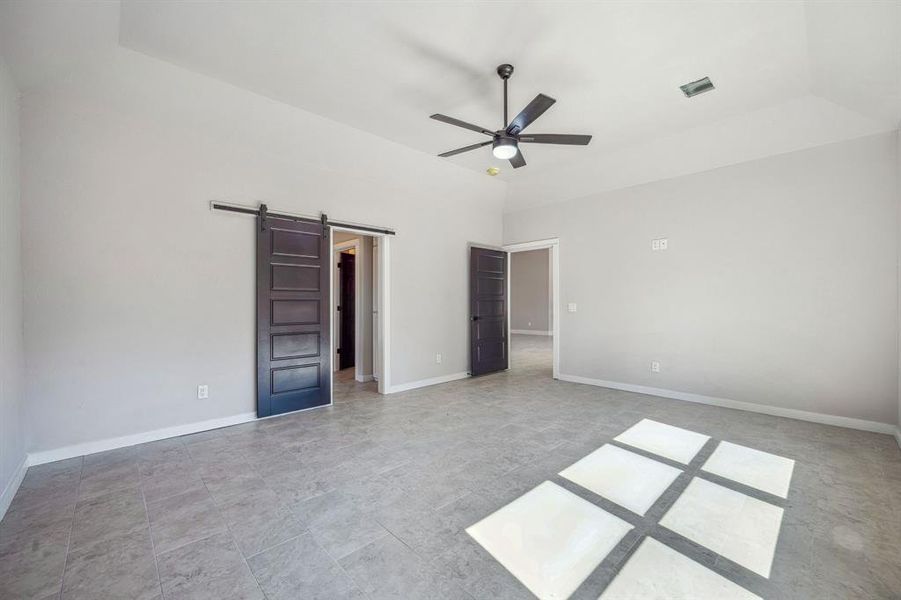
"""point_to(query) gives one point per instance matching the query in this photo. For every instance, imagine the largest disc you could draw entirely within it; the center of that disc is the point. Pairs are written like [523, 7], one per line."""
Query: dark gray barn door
[293, 348]
[488, 310]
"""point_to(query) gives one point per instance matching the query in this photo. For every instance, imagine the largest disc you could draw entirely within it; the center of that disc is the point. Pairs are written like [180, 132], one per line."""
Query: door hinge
[338, 351]
[338, 308]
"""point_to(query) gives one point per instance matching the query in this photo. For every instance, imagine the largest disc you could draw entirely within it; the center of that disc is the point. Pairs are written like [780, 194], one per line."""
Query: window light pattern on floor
[628, 479]
[552, 540]
[658, 571]
[664, 440]
[761, 470]
[741, 528]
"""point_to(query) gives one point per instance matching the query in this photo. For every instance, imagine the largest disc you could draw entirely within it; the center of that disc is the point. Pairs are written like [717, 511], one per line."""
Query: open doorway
[533, 308]
[356, 330]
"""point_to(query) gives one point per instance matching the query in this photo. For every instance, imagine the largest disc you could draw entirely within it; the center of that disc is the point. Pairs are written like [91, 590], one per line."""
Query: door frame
[553, 244]
[384, 376]
[337, 249]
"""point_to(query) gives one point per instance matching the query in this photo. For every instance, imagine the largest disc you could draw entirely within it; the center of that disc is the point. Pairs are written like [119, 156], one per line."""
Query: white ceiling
[42, 40]
[788, 74]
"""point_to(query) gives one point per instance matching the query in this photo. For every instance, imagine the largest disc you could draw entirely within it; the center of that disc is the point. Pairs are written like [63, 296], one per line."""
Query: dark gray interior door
[293, 313]
[489, 347]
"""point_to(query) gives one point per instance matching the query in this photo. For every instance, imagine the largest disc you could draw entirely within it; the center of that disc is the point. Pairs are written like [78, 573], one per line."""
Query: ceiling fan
[505, 142]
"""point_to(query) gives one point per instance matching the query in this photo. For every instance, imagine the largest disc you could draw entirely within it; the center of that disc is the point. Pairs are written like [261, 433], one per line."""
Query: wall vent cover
[696, 87]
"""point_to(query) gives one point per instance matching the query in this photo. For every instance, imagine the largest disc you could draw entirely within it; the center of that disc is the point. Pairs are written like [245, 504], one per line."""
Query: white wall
[530, 304]
[12, 354]
[137, 292]
[779, 287]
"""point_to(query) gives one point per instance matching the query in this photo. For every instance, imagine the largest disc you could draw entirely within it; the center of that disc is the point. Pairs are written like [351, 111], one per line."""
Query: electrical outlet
[438, 358]
[658, 244]
[530, 324]
[655, 366]
[203, 391]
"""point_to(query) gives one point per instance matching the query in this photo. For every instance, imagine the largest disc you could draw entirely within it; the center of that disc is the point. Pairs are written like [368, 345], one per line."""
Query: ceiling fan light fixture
[504, 148]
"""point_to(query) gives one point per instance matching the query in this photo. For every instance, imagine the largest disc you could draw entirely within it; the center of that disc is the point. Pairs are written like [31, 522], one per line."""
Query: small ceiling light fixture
[697, 87]
[492, 171]
[504, 148]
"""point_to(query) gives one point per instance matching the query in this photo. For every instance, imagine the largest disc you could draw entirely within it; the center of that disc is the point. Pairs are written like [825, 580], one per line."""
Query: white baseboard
[776, 411]
[898, 435]
[531, 332]
[364, 378]
[12, 486]
[46, 456]
[412, 385]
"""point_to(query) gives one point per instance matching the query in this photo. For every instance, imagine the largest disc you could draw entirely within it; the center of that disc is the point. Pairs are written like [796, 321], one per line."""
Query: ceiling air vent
[696, 87]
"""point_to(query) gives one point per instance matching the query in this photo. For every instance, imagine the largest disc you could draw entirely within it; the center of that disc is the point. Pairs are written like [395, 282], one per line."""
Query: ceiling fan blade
[532, 111]
[518, 161]
[463, 124]
[464, 149]
[556, 138]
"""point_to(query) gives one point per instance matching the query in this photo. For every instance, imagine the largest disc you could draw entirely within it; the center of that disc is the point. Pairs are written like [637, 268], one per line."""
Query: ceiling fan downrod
[504, 71]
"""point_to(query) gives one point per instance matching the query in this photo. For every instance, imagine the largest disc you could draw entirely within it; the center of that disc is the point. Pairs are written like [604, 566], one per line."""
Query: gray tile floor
[369, 498]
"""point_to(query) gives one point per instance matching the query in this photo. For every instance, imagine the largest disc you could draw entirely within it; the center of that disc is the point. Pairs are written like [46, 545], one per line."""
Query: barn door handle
[474, 318]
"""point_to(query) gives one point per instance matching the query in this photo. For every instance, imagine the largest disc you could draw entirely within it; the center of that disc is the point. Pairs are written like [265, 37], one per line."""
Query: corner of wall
[13, 442]
[898, 246]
